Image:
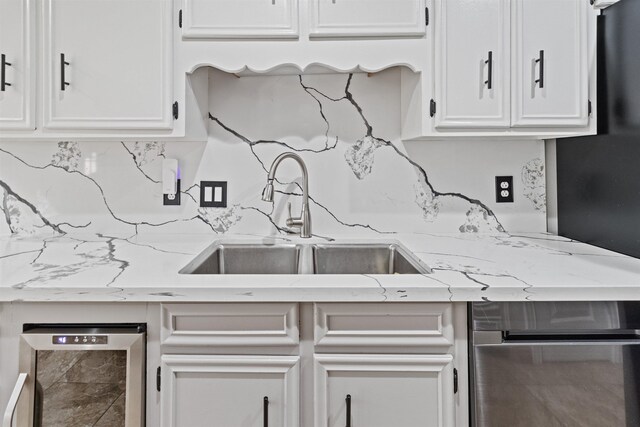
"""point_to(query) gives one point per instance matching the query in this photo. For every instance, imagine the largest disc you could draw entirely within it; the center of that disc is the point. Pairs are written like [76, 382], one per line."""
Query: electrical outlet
[504, 189]
[213, 194]
[172, 199]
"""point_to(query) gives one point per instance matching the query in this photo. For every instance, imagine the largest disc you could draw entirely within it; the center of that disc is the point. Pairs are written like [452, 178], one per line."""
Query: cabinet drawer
[410, 327]
[233, 19]
[367, 18]
[230, 325]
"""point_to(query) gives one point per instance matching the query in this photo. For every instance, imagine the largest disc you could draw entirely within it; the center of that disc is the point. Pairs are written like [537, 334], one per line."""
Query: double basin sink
[314, 258]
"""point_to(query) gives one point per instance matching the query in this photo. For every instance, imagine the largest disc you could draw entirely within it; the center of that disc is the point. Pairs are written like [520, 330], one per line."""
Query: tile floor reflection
[82, 388]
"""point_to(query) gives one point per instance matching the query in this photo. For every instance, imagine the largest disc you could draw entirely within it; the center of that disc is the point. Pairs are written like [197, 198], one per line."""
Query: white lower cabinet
[354, 365]
[383, 390]
[230, 391]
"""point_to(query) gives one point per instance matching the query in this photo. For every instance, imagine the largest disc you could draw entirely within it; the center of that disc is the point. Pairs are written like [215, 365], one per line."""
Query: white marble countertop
[466, 267]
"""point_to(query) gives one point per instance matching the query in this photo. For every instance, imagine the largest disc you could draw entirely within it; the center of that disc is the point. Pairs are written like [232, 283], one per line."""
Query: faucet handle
[291, 221]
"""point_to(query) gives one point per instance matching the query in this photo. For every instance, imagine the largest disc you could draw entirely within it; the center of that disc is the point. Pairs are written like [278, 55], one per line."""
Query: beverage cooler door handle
[487, 337]
[7, 420]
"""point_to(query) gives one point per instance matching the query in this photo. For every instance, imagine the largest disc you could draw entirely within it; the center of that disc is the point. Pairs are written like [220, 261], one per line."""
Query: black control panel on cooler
[79, 339]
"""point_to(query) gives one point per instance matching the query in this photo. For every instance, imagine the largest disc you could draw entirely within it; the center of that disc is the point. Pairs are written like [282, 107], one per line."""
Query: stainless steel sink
[383, 258]
[333, 258]
[246, 259]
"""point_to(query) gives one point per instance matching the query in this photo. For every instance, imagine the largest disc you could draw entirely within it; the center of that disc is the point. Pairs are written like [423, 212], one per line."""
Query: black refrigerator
[599, 176]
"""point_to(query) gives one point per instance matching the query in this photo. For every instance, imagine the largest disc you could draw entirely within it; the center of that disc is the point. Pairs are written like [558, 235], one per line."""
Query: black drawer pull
[3, 73]
[540, 62]
[265, 409]
[489, 62]
[63, 65]
[348, 400]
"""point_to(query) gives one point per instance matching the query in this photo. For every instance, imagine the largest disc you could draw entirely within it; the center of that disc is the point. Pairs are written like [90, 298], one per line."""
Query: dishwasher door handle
[487, 337]
[7, 420]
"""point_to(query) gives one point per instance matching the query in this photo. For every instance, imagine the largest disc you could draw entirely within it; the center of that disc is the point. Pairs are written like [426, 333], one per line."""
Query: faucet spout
[304, 220]
[267, 192]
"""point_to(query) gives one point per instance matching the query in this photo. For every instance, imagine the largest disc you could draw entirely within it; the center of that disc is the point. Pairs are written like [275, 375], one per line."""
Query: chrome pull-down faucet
[304, 220]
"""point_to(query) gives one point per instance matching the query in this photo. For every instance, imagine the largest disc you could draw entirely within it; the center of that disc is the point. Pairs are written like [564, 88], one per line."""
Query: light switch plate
[213, 194]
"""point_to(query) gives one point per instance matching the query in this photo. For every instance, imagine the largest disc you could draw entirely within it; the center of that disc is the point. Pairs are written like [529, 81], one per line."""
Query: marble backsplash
[362, 177]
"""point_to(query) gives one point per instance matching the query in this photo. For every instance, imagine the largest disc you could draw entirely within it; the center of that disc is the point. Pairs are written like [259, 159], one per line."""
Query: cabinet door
[384, 390]
[229, 391]
[210, 19]
[550, 68]
[473, 63]
[116, 68]
[17, 85]
[364, 18]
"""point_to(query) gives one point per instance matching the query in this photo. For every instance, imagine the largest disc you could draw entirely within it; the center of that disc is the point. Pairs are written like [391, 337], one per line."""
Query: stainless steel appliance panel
[546, 316]
[555, 364]
[35, 401]
[581, 384]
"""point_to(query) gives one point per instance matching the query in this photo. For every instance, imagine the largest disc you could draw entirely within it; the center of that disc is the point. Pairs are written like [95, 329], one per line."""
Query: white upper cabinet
[522, 68]
[107, 64]
[204, 19]
[367, 18]
[17, 57]
[550, 66]
[472, 64]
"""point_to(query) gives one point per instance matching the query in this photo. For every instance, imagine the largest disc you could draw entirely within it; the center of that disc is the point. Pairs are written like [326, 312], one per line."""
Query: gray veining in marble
[533, 180]
[52, 365]
[114, 416]
[100, 367]
[77, 404]
[336, 122]
[466, 267]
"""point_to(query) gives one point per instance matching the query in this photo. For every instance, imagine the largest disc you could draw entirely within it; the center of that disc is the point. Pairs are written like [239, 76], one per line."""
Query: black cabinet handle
[540, 62]
[3, 70]
[265, 409]
[489, 63]
[348, 400]
[63, 65]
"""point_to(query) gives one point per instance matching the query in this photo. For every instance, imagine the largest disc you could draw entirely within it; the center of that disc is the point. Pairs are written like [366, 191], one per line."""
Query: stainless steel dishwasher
[545, 364]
